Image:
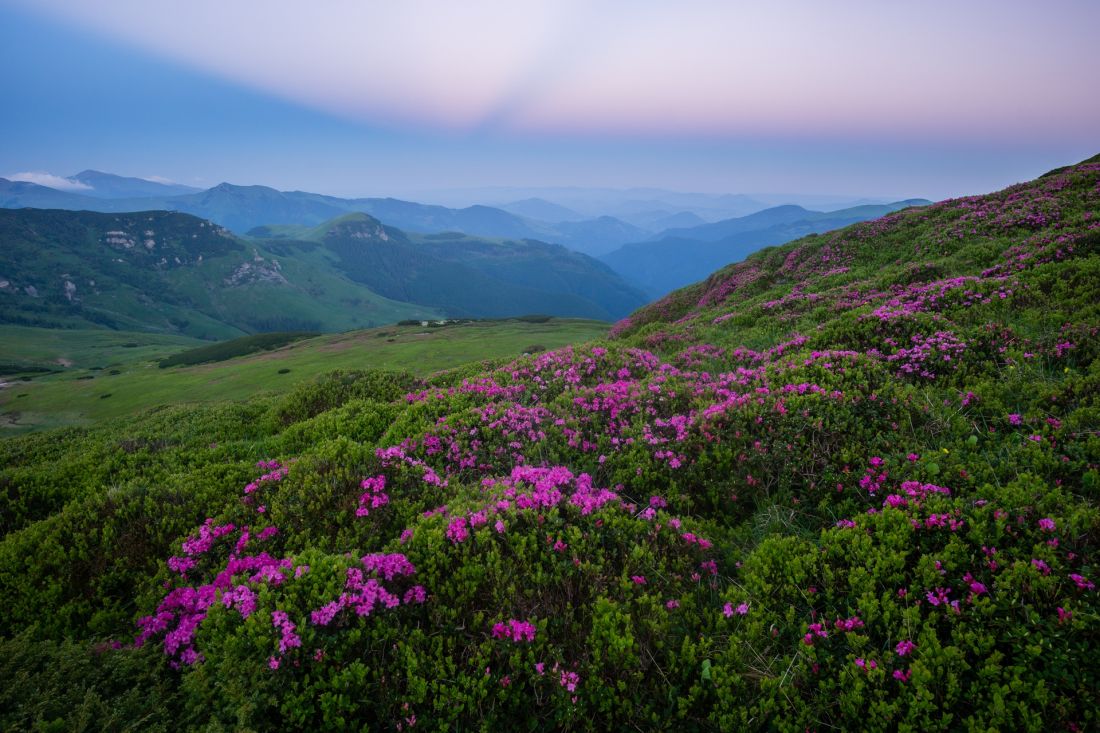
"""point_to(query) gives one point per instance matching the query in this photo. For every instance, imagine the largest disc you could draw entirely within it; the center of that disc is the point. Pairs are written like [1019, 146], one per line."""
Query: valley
[99, 375]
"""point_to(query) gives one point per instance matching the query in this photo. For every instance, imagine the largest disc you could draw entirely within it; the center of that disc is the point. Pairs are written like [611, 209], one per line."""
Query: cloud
[699, 67]
[49, 180]
[160, 179]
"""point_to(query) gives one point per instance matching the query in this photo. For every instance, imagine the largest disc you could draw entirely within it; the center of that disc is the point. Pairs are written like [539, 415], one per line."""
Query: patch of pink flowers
[374, 495]
[515, 630]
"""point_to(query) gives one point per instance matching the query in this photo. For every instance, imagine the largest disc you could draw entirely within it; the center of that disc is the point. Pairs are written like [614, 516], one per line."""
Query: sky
[357, 97]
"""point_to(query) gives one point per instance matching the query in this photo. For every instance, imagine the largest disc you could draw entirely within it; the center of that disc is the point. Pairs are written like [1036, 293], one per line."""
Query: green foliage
[235, 347]
[336, 388]
[85, 686]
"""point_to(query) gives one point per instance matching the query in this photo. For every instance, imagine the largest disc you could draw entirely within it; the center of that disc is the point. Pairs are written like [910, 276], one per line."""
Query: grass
[224, 350]
[28, 349]
[85, 394]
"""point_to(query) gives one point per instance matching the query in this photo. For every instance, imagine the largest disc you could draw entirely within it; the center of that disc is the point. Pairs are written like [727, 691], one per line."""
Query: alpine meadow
[636, 368]
[851, 481]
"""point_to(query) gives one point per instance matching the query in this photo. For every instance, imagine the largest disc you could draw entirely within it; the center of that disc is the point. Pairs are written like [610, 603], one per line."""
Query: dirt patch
[341, 345]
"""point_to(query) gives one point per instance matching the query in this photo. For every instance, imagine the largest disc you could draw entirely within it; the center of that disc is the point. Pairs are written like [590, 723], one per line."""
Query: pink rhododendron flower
[1082, 582]
[515, 630]
[815, 631]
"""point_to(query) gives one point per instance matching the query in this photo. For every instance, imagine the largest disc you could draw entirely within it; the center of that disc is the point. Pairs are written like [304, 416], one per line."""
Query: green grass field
[110, 377]
[58, 349]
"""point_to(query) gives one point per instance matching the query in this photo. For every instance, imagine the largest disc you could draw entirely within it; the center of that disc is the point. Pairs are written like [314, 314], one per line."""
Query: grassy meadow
[104, 374]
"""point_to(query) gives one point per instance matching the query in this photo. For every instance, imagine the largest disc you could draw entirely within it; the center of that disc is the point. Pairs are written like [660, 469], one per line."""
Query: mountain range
[461, 274]
[242, 208]
[111, 186]
[593, 221]
[652, 243]
[681, 256]
[175, 273]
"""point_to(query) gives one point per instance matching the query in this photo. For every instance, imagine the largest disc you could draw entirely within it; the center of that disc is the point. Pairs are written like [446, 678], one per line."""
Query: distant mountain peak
[356, 226]
[114, 186]
[227, 186]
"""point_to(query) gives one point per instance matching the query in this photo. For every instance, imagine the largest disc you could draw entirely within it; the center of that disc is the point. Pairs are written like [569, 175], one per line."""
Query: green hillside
[851, 483]
[30, 350]
[105, 381]
[461, 275]
[170, 273]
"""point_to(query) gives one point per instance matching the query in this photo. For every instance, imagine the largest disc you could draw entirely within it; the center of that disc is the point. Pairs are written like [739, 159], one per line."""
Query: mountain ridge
[110, 185]
[173, 272]
[243, 208]
[674, 260]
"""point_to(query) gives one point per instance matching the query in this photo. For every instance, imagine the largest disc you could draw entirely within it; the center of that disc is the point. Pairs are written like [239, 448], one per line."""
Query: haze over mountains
[111, 186]
[656, 240]
[241, 208]
[682, 256]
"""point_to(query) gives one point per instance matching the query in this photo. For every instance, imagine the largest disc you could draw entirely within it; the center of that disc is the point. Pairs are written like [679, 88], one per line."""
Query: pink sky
[933, 71]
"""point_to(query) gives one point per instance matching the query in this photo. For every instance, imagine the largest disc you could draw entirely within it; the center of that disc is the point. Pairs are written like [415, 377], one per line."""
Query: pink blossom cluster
[374, 495]
[514, 630]
[363, 595]
[928, 356]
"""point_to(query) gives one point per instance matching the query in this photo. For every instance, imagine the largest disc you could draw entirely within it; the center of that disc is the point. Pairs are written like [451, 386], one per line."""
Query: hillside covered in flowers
[849, 483]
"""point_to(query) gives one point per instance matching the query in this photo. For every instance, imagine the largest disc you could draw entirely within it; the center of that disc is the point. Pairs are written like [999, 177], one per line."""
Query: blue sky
[360, 98]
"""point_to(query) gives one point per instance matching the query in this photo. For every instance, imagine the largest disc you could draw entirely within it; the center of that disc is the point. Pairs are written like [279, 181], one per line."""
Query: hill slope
[850, 483]
[169, 272]
[469, 276]
[172, 272]
[82, 377]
